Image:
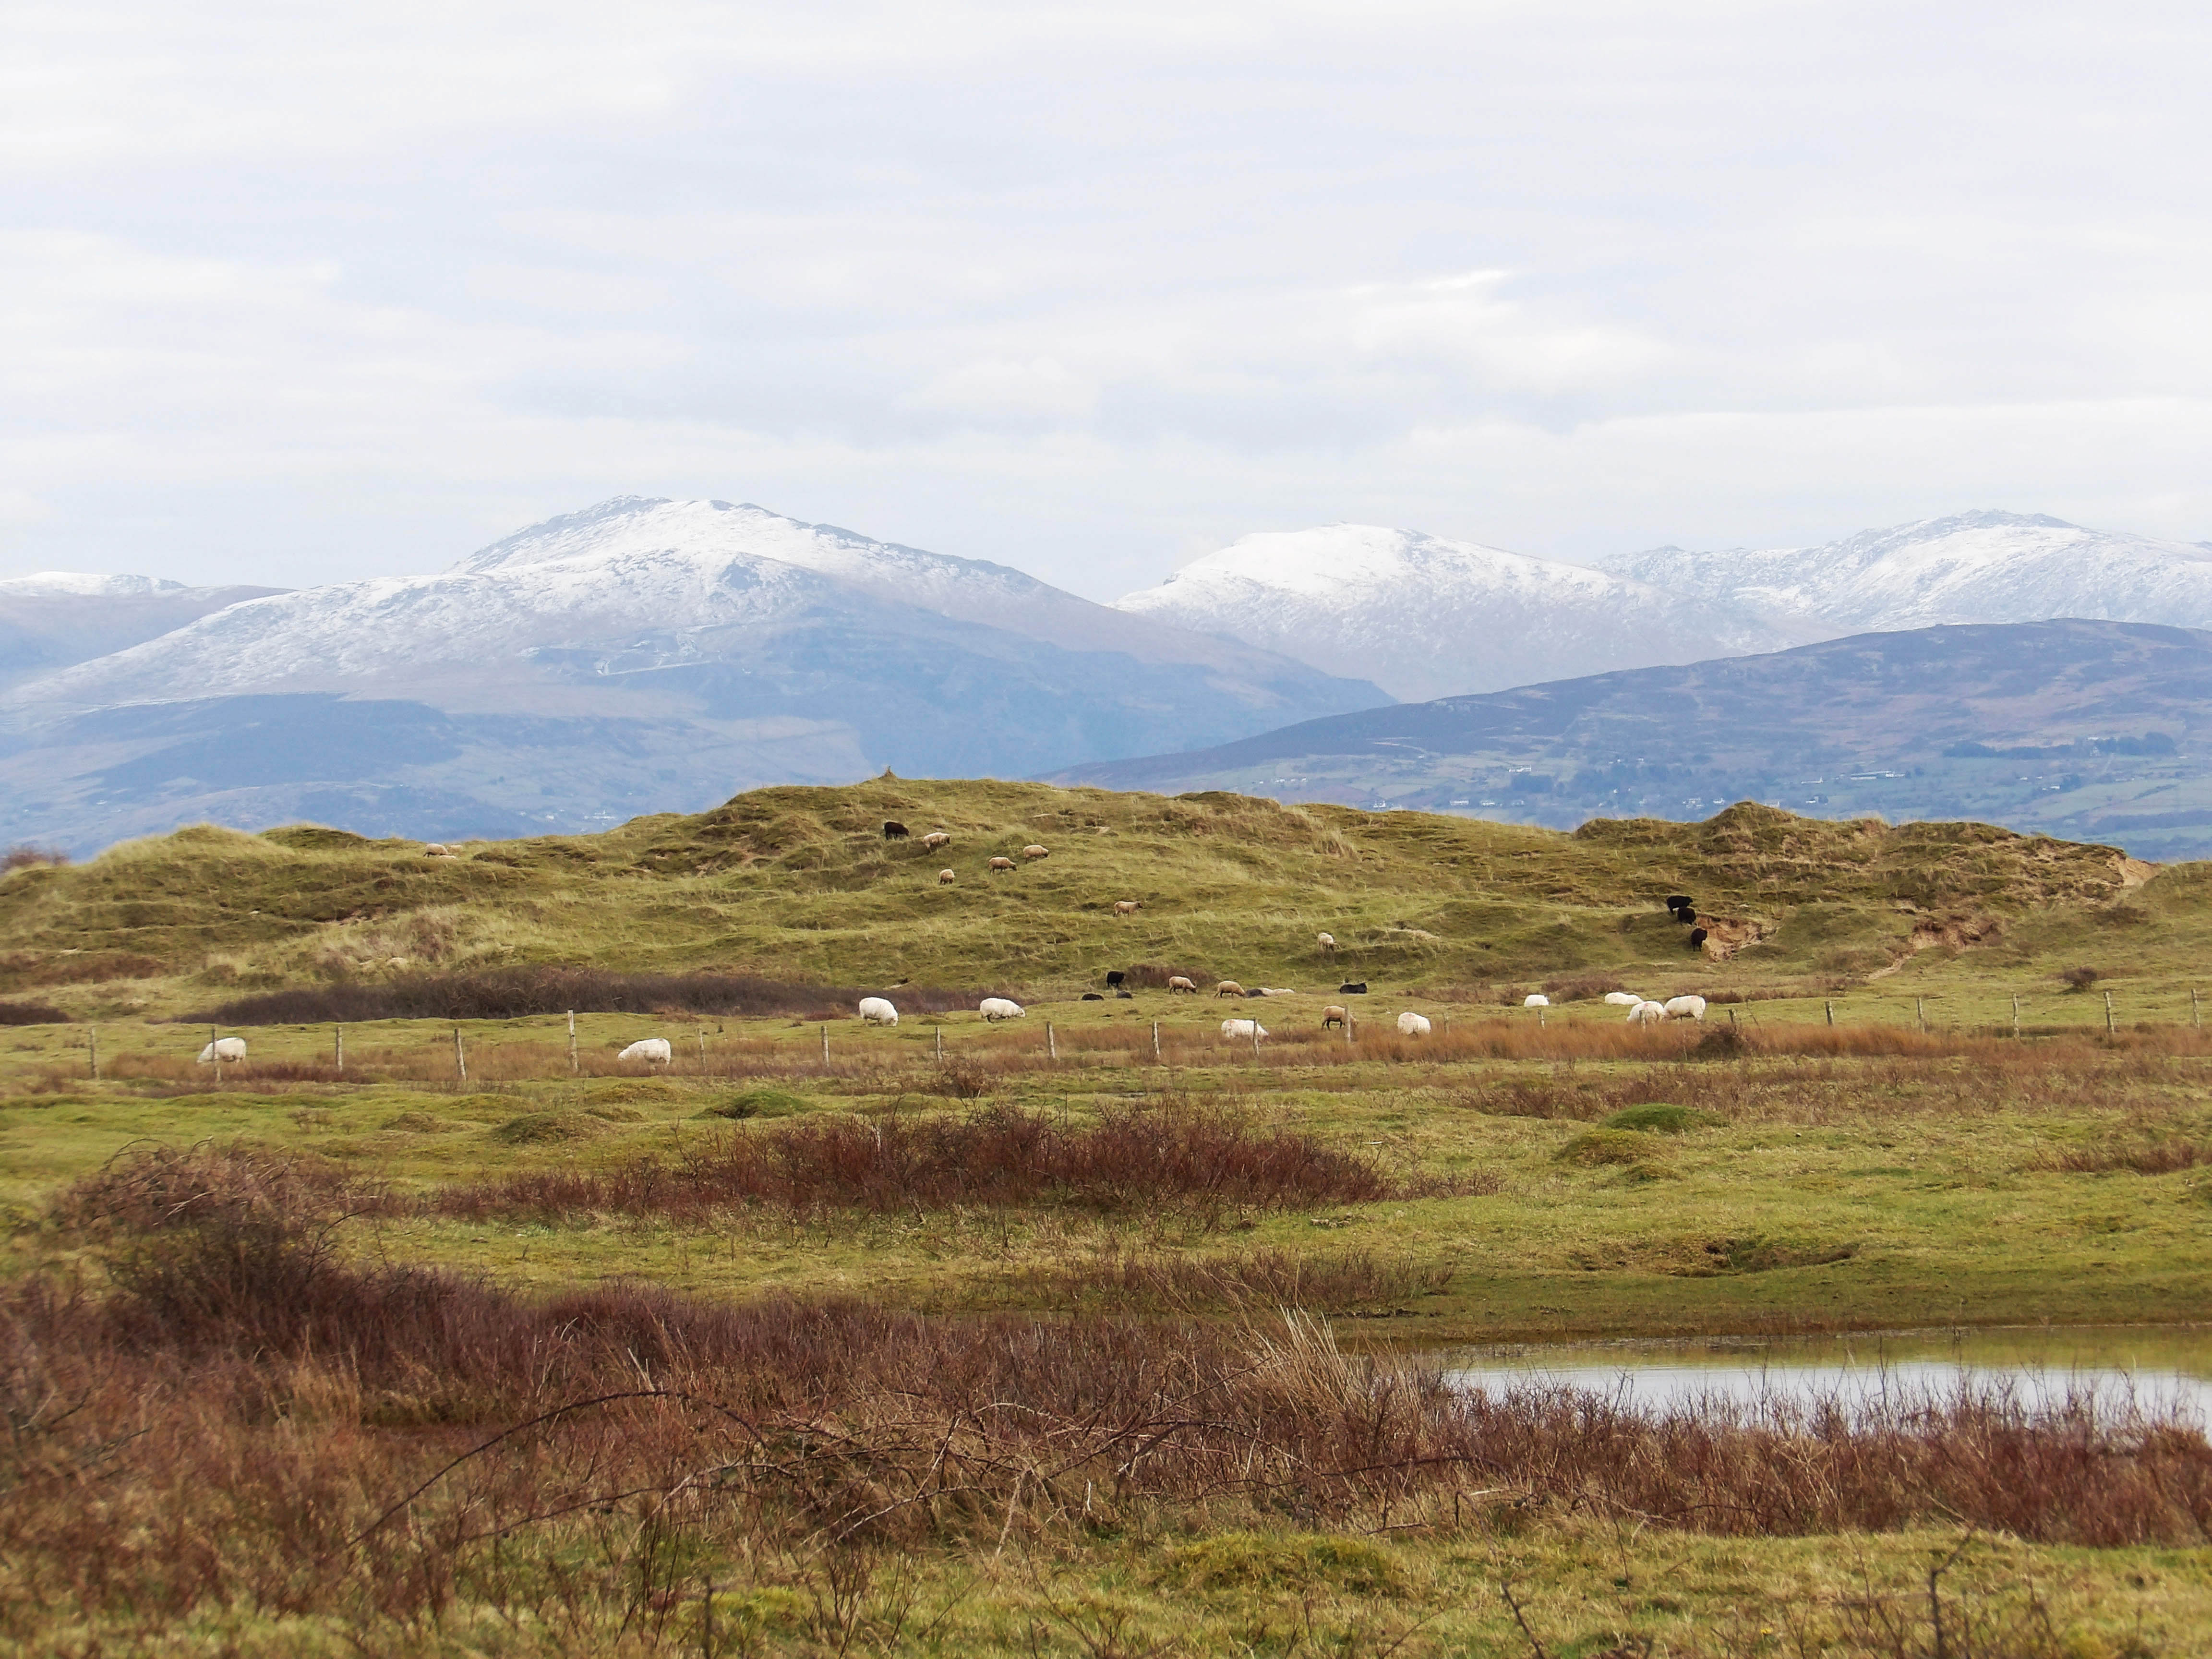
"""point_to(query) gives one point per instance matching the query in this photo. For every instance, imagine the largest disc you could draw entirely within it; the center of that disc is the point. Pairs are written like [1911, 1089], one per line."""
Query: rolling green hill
[799, 884]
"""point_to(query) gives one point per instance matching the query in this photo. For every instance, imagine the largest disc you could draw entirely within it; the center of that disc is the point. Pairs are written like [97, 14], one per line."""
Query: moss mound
[758, 1102]
[1285, 1561]
[1658, 1118]
[1596, 1148]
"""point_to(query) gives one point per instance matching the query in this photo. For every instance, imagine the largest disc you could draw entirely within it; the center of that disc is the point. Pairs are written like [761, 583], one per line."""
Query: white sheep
[1686, 1008]
[223, 1049]
[945, 879]
[1413, 1025]
[877, 1011]
[1622, 999]
[1536, 1000]
[936, 838]
[648, 1048]
[1327, 941]
[1647, 1013]
[1247, 1029]
[995, 1009]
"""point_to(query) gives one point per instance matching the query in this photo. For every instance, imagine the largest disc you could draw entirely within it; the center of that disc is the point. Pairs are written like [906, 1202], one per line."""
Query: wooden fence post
[703, 1051]
[2196, 1013]
[460, 1060]
[1051, 1042]
[2015, 1016]
[1830, 1008]
[337, 1040]
[940, 1045]
[1920, 1014]
[91, 1042]
[1156, 1040]
[1256, 1039]
[825, 1045]
[2108, 1013]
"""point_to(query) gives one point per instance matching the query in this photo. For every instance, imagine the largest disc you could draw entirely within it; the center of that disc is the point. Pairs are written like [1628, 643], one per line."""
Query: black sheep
[894, 830]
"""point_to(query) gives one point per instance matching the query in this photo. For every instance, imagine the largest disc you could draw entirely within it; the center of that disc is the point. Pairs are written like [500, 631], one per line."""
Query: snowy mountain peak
[1981, 566]
[75, 583]
[1426, 617]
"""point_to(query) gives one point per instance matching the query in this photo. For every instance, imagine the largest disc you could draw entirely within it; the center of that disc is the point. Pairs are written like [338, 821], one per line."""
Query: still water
[2159, 1371]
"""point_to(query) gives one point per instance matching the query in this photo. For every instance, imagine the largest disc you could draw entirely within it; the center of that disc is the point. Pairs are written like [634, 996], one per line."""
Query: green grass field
[1900, 1117]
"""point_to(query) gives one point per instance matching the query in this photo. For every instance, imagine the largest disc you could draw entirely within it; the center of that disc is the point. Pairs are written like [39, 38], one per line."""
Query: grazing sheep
[1698, 938]
[1327, 941]
[1121, 995]
[1678, 901]
[945, 879]
[1349, 989]
[1686, 1008]
[1002, 864]
[894, 830]
[1125, 907]
[1091, 996]
[935, 839]
[437, 850]
[995, 1009]
[1177, 984]
[1647, 1013]
[1228, 987]
[1034, 851]
[1247, 1029]
[1413, 1025]
[649, 1049]
[1687, 916]
[877, 1011]
[223, 1049]
[1622, 999]
[1115, 977]
[1536, 1000]
[1330, 1016]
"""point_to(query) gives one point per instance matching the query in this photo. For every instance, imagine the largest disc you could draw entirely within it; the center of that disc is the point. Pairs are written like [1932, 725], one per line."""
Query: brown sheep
[1125, 907]
[1034, 851]
[945, 878]
[1178, 984]
[1228, 987]
[1002, 864]
[1330, 1016]
[935, 839]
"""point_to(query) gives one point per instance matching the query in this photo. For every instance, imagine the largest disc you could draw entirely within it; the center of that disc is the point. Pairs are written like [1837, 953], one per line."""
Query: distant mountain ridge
[1424, 617]
[2087, 730]
[1984, 566]
[58, 617]
[643, 655]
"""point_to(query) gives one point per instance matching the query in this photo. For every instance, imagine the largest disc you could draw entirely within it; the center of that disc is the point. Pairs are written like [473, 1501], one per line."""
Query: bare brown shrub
[1194, 1159]
[24, 856]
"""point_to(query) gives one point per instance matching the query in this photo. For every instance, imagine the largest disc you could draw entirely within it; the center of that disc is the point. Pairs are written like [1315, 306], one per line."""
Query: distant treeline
[515, 992]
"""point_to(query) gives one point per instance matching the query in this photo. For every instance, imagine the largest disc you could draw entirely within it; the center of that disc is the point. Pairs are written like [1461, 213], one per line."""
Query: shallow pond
[2163, 1372]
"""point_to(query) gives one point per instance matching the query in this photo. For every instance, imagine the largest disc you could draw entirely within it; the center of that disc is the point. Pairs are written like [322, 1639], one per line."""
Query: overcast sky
[305, 292]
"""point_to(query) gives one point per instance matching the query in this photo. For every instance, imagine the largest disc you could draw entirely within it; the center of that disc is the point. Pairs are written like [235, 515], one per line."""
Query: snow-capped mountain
[1970, 568]
[1423, 617]
[57, 617]
[643, 655]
